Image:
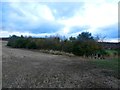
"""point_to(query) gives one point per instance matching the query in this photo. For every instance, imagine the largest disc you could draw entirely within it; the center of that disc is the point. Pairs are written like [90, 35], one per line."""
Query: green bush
[31, 45]
[84, 44]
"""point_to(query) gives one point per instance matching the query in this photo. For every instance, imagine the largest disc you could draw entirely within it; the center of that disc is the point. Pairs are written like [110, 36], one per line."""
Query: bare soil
[31, 69]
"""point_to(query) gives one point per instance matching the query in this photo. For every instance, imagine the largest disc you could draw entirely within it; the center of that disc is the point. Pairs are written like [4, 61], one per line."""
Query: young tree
[85, 45]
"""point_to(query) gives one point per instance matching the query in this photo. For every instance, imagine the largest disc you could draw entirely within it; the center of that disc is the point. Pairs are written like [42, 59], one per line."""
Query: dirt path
[25, 69]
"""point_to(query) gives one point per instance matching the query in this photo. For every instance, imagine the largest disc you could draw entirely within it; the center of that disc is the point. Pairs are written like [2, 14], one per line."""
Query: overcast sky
[66, 18]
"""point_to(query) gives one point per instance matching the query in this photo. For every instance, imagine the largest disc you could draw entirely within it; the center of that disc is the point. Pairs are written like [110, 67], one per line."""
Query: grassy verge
[109, 64]
[112, 52]
[57, 52]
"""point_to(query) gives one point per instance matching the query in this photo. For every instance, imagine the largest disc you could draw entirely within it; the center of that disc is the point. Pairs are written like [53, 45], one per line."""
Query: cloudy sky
[65, 18]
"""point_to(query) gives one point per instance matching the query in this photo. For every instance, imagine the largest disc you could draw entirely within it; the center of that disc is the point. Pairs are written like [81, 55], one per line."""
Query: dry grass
[57, 52]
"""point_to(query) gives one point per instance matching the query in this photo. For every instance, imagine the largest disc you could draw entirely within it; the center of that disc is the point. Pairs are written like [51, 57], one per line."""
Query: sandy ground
[32, 69]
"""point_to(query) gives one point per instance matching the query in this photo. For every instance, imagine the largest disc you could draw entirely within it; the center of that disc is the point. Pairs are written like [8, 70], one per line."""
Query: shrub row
[83, 44]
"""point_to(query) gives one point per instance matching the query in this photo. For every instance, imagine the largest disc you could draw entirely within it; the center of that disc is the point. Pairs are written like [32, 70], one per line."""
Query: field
[33, 69]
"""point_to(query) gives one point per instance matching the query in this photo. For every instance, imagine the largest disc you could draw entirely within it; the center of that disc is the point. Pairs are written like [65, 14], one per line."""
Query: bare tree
[100, 38]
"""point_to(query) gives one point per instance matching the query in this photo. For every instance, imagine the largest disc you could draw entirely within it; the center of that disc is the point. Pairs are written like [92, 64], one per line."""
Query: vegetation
[112, 52]
[109, 64]
[82, 45]
[21, 42]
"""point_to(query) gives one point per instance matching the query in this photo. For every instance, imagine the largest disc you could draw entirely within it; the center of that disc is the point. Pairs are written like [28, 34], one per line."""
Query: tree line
[82, 45]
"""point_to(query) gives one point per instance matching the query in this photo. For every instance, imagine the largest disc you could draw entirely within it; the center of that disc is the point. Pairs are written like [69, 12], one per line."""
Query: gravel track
[30, 69]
